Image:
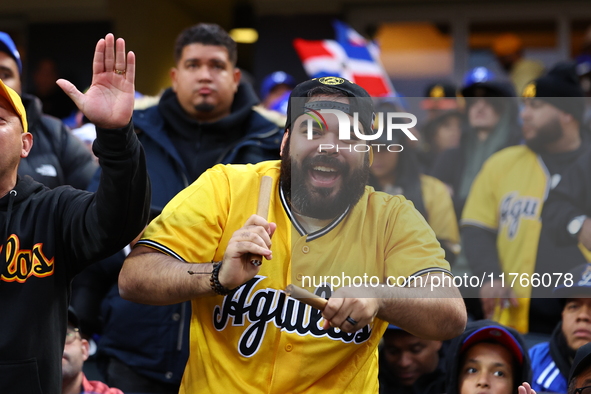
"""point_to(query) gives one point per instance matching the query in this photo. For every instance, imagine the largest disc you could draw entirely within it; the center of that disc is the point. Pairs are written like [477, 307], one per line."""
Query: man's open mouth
[323, 175]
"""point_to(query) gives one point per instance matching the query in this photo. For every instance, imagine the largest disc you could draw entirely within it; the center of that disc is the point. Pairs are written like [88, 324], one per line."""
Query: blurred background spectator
[508, 49]
[411, 365]
[397, 171]
[551, 361]
[501, 227]
[275, 90]
[55, 102]
[492, 125]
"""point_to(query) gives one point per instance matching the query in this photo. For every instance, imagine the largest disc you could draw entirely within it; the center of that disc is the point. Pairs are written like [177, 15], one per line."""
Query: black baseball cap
[561, 88]
[440, 96]
[72, 318]
[363, 104]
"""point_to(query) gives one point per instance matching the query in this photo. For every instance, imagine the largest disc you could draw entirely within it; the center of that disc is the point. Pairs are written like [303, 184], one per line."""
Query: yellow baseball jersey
[507, 197]
[440, 209]
[258, 340]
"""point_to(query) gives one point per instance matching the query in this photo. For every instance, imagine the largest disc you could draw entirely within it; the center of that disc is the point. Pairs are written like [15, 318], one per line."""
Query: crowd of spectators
[501, 173]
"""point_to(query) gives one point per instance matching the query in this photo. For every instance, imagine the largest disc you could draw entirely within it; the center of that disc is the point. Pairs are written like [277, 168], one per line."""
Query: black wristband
[214, 280]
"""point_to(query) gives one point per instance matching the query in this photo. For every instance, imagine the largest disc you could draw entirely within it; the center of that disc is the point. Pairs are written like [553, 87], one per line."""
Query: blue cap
[580, 286]
[280, 105]
[274, 79]
[7, 45]
[497, 334]
[478, 75]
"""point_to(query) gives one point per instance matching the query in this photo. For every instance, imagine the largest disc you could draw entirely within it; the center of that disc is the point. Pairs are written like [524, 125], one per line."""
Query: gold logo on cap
[437, 91]
[529, 90]
[331, 80]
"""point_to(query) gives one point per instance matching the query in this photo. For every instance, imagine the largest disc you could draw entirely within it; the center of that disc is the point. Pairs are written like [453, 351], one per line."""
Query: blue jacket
[154, 340]
[261, 141]
[546, 375]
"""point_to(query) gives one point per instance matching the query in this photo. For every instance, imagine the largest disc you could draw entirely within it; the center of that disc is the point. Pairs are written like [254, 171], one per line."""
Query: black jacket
[454, 357]
[569, 199]
[57, 157]
[49, 235]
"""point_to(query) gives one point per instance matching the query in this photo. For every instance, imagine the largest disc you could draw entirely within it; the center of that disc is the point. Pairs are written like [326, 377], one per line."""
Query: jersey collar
[316, 234]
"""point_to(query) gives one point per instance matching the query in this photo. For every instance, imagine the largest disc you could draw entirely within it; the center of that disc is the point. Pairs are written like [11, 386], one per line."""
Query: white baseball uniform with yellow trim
[257, 340]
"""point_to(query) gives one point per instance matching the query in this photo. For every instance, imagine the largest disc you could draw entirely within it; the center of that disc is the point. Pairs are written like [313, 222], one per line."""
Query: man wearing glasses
[76, 351]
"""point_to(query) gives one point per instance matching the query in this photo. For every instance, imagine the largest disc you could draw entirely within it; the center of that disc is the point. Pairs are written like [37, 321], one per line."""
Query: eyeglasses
[72, 334]
[583, 390]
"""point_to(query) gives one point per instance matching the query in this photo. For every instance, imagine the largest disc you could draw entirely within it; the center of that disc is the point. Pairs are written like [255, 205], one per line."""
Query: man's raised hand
[108, 103]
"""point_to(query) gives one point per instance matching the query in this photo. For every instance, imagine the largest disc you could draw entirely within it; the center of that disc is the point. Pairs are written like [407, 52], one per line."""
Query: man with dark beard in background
[502, 230]
[323, 221]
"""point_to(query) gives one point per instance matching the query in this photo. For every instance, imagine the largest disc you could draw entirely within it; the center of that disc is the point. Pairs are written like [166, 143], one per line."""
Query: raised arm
[100, 224]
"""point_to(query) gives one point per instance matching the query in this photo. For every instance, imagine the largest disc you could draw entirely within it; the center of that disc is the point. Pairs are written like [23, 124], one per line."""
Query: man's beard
[316, 202]
[204, 107]
[546, 134]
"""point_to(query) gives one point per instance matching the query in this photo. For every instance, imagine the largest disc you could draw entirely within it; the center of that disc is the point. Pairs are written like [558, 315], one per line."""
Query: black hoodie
[431, 383]
[47, 236]
[454, 357]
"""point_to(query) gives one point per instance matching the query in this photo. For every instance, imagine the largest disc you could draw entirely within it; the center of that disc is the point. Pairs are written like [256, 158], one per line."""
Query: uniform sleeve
[481, 214]
[191, 225]
[480, 248]
[412, 248]
[481, 208]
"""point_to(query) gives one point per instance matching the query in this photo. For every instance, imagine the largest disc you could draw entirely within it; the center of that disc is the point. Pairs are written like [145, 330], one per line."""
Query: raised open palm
[108, 103]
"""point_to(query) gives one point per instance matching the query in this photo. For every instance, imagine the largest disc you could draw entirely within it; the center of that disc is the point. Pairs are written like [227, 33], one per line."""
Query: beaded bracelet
[214, 280]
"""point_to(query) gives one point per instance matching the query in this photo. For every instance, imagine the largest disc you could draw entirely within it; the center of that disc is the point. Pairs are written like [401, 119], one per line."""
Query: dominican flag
[351, 56]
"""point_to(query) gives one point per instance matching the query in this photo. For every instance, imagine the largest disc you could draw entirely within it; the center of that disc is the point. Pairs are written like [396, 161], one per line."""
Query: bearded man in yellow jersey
[247, 335]
[502, 230]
